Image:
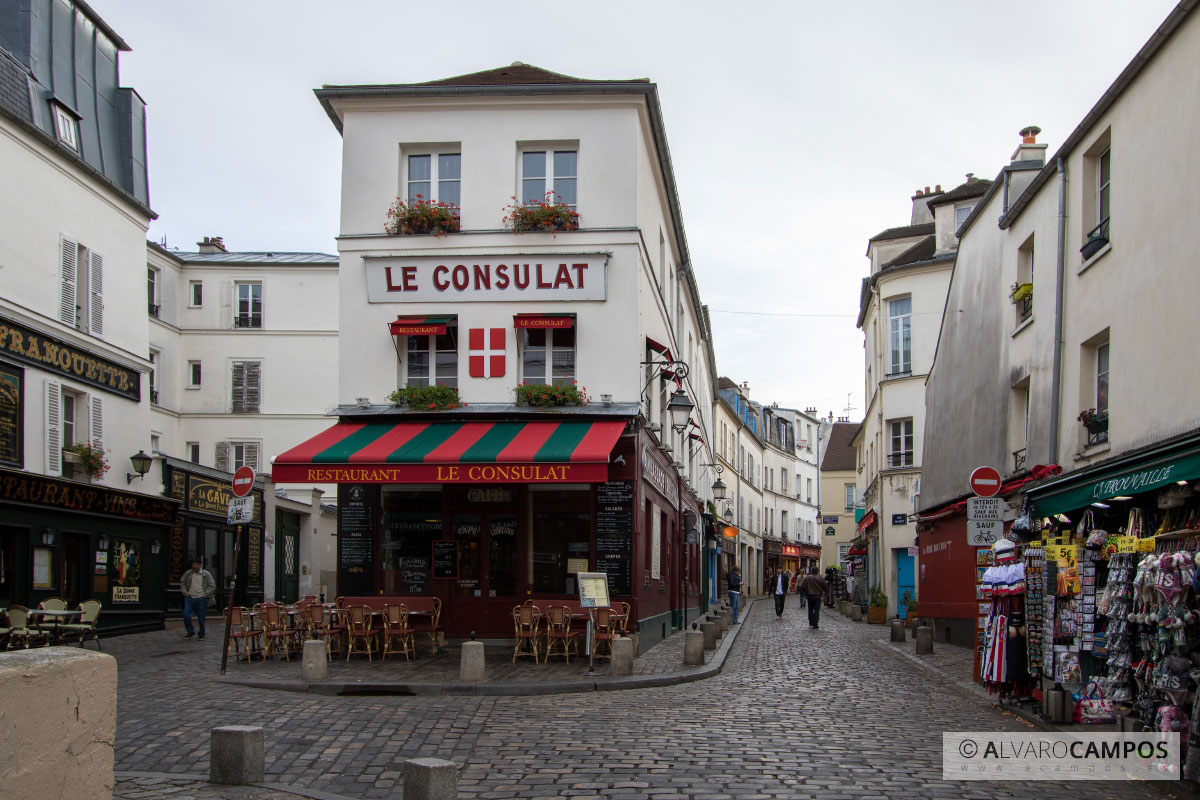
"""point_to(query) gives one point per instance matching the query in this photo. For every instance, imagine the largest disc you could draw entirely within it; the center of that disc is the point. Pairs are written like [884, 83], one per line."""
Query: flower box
[542, 395]
[427, 398]
[1092, 246]
[1021, 291]
[550, 215]
[876, 615]
[420, 216]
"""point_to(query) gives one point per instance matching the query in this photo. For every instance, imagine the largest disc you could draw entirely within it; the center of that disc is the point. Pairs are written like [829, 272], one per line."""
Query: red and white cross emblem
[486, 358]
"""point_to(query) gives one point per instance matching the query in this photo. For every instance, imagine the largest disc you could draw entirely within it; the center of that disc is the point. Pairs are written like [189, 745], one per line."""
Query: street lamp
[680, 406]
[141, 465]
[729, 513]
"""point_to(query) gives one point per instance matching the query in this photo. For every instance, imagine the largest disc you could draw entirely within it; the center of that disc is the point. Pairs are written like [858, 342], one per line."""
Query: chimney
[212, 244]
[920, 209]
[746, 389]
[1029, 149]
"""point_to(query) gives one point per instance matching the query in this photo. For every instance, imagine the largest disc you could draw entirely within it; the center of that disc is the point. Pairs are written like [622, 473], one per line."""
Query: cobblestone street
[796, 713]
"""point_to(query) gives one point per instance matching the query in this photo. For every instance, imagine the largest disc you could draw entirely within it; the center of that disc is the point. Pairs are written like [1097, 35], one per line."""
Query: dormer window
[65, 127]
[961, 213]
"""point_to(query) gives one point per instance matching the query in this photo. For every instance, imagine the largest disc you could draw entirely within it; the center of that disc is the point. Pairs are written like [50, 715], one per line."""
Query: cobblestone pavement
[796, 713]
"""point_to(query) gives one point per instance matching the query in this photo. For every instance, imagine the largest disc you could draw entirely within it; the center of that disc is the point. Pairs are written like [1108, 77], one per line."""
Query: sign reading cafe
[458, 279]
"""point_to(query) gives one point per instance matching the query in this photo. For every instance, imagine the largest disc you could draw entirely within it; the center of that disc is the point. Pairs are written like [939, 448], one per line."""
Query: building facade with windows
[900, 309]
[740, 428]
[1091, 248]
[495, 501]
[839, 496]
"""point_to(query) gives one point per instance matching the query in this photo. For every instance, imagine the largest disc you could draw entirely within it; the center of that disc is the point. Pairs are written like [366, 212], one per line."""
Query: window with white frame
[849, 496]
[193, 452]
[233, 455]
[1104, 187]
[1097, 194]
[900, 453]
[550, 171]
[961, 212]
[81, 289]
[432, 360]
[548, 355]
[194, 374]
[195, 294]
[1102, 379]
[246, 387]
[152, 280]
[154, 356]
[65, 127]
[248, 312]
[71, 417]
[1018, 427]
[900, 336]
[436, 177]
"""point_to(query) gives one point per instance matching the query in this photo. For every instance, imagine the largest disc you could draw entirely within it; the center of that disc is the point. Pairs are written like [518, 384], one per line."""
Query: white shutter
[68, 252]
[96, 294]
[253, 387]
[53, 428]
[221, 461]
[97, 411]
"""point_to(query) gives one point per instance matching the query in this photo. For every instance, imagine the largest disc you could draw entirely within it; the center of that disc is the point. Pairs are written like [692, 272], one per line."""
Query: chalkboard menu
[614, 535]
[445, 558]
[414, 574]
[356, 539]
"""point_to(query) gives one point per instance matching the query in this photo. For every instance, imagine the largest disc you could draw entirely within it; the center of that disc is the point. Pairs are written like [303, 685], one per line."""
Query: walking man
[197, 586]
[813, 587]
[735, 591]
[779, 588]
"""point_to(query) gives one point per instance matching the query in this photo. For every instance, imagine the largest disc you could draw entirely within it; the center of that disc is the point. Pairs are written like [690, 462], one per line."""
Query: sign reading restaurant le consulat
[448, 280]
[446, 473]
[54, 355]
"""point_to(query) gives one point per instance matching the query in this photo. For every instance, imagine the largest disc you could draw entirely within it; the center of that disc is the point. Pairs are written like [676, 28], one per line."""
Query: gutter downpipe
[1056, 375]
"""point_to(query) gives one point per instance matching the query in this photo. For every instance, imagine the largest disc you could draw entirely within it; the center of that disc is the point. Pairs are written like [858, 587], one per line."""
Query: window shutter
[68, 252]
[238, 388]
[97, 409]
[253, 386]
[222, 456]
[53, 428]
[251, 455]
[96, 292]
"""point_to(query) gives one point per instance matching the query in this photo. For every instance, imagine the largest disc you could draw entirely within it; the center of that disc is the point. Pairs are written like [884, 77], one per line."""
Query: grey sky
[797, 129]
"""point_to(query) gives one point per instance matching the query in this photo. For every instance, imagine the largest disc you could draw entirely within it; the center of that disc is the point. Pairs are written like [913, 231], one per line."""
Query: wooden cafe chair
[526, 622]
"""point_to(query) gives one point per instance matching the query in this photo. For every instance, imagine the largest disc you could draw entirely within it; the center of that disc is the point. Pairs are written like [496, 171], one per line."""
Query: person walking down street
[198, 587]
[735, 591]
[814, 587]
[778, 588]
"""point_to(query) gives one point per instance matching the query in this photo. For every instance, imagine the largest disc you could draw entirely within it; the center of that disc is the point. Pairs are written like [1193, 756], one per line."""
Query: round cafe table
[59, 617]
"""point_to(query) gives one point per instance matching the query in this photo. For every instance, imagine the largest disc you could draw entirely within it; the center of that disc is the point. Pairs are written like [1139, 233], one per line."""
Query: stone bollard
[726, 619]
[236, 755]
[924, 637]
[856, 612]
[693, 649]
[314, 665]
[846, 606]
[633, 637]
[709, 631]
[471, 666]
[897, 630]
[620, 661]
[431, 778]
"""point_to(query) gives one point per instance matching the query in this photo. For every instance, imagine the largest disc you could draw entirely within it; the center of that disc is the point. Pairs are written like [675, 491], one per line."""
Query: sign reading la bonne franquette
[474, 279]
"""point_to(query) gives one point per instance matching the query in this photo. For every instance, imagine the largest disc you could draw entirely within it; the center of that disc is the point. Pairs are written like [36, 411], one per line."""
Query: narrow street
[796, 713]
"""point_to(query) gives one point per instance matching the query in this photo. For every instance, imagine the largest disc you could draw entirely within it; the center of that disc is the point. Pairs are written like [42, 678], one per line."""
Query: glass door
[485, 589]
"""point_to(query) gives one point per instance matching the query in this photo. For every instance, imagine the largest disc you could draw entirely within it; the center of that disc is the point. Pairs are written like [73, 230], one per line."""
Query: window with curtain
[435, 177]
[548, 355]
[432, 360]
[249, 309]
[553, 171]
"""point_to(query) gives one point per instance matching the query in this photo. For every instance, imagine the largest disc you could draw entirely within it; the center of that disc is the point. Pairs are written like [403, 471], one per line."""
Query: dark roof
[974, 187]
[517, 74]
[258, 257]
[924, 229]
[921, 251]
[840, 453]
[726, 383]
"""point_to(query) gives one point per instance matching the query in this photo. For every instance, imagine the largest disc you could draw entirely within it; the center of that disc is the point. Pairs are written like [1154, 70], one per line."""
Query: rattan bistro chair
[87, 623]
[278, 636]
[560, 639]
[360, 630]
[604, 632]
[19, 632]
[243, 637]
[397, 636]
[526, 622]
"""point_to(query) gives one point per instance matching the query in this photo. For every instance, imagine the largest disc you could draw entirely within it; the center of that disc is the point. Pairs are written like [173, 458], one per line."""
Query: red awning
[543, 321]
[867, 521]
[419, 326]
[453, 452]
[856, 551]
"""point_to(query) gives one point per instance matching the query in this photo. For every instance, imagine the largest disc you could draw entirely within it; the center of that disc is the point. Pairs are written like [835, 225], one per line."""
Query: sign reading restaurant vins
[486, 278]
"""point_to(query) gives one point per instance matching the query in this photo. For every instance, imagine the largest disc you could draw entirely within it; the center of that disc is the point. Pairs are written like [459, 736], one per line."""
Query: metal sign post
[237, 546]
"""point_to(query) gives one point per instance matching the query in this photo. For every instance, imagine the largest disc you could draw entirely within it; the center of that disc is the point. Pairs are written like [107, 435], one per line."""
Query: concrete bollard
[709, 631]
[633, 637]
[726, 620]
[236, 755]
[924, 637]
[856, 613]
[431, 778]
[693, 649]
[897, 630]
[471, 666]
[621, 660]
[314, 665]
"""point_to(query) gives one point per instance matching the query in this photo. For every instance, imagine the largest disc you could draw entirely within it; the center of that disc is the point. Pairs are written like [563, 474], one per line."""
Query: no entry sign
[243, 481]
[985, 481]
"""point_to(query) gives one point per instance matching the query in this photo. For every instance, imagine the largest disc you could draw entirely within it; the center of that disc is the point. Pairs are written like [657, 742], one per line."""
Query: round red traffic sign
[985, 481]
[243, 481]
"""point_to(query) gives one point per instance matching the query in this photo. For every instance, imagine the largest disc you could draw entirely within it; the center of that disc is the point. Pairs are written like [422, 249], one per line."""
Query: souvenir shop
[1089, 604]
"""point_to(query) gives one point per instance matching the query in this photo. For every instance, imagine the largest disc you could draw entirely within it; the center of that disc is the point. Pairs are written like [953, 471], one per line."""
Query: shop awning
[543, 321]
[419, 326]
[867, 521]
[453, 452]
[856, 551]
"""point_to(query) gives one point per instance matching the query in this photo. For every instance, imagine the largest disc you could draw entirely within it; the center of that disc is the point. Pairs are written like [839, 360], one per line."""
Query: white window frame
[436, 181]
[153, 376]
[961, 212]
[435, 376]
[195, 294]
[193, 452]
[901, 430]
[195, 374]
[1102, 366]
[550, 179]
[1103, 207]
[550, 349]
[66, 127]
[851, 499]
[244, 453]
[898, 324]
[238, 317]
[153, 280]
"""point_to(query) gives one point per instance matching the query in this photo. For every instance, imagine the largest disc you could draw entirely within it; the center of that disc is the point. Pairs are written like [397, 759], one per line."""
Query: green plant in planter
[878, 598]
[427, 398]
[551, 214]
[547, 395]
[909, 600]
[421, 216]
[95, 463]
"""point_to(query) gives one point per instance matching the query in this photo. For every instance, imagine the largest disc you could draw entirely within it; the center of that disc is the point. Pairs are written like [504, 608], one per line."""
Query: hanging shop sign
[36, 490]
[470, 279]
[658, 477]
[54, 355]
[1069, 494]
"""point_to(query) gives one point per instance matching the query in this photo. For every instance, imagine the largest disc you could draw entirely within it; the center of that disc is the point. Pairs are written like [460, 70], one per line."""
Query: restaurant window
[553, 172]
[562, 529]
[412, 520]
[433, 360]
[249, 310]
[436, 177]
[548, 356]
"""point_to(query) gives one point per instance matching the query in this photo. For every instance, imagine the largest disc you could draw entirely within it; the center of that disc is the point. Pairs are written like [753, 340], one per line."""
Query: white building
[738, 432]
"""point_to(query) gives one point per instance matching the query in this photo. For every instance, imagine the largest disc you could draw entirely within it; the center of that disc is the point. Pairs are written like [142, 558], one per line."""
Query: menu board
[593, 590]
[445, 558]
[414, 574]
[11, 415]
[614, 535]
[356, 539]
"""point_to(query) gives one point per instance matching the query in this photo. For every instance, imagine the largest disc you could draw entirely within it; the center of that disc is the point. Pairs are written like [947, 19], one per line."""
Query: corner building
[496, 502]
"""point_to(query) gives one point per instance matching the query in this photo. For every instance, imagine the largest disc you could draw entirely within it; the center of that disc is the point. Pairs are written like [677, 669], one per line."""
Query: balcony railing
[900, 459]
[1019, 457]
[154, 396]
[247, 322]
[1097, 238]
[1097, 429]
[154, 308]
[1025, 307]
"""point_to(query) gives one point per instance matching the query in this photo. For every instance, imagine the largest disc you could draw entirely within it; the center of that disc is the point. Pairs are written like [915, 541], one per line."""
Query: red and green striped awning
[453, 452]
[419, 326]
